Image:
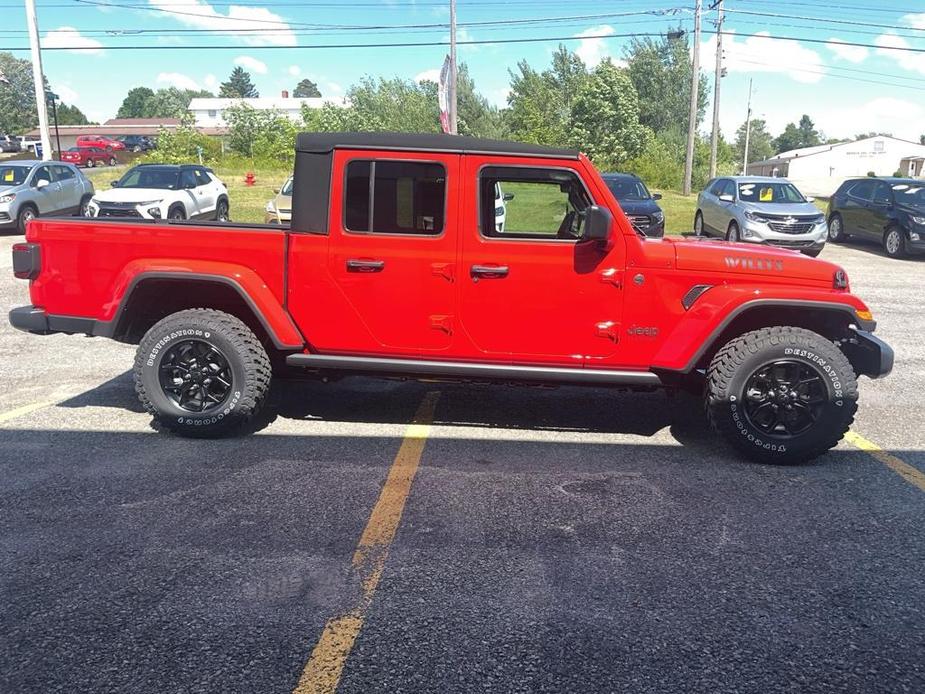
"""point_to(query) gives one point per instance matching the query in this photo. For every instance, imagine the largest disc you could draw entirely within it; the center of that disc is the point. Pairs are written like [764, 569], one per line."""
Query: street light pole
[452, 85]
[53, 98]
[717, 77]
[38, 76]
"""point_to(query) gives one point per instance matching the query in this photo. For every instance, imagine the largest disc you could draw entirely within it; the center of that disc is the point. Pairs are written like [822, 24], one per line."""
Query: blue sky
[846, 89]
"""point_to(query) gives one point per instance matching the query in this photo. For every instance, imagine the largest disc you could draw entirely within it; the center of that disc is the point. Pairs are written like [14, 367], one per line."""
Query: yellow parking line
[24, 410]
[325, 666]
[911, 474]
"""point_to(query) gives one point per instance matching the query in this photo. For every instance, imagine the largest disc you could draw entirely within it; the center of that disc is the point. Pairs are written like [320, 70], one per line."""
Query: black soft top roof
[320, 143]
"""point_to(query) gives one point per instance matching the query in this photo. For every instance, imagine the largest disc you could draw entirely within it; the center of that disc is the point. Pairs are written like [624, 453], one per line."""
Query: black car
[137, 143]
[637, 203]
[890, 211]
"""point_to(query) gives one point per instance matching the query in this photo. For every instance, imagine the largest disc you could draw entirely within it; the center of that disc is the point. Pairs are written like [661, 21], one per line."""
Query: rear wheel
[113, 161]
[202, 373]
[221, 211]
[894, 242]
[781, 395]
[698, 223]
[90, 163]
[837, 229]
[732, 233]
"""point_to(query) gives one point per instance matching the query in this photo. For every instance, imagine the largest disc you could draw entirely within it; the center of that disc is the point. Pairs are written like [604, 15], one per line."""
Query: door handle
[488, 271]
[354, 265]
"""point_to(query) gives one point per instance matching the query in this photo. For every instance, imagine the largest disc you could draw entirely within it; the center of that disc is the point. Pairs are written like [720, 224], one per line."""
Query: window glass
[63, 173]
[188, 178]
[882, 193]
[863, 189]
[540, 204]
[728, 188]
[762, 191]
[43, 173]
[625, 188]
[407, 197]
[717, 188]
[202, 178]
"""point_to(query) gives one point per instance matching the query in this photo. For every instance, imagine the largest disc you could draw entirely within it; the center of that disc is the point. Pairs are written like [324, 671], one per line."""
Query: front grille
[796, 228]
[640, 221]
[118, 209]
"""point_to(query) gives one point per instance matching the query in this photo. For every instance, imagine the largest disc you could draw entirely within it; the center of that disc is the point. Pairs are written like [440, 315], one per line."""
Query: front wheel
[698, 223]
[90, 163]
[732, 234]
[202, 373]
[894, 242]
[781, 395]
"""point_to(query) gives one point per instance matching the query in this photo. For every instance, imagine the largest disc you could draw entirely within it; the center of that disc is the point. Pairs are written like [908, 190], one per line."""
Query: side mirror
[41, 183]
[276, 191]
[114, 184]
[657, 196]
[727, 198]
[598, 223]
[810, 198]
[507, 197]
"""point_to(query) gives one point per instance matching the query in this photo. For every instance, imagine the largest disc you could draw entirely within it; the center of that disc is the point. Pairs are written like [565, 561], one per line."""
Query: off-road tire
[894, 247]
[836, 231]
[741, 358]
[246, 357]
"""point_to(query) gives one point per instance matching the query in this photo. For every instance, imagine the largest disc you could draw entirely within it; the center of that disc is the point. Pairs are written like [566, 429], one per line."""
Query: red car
[100, 141]
[394, 266]
[88, 156]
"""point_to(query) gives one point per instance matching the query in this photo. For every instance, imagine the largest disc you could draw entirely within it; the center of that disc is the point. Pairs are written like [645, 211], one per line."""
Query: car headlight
[915, 220]
[271, 208]
[10, 197]
[752, 217]
[148, 203]
[819, 219]
[658, 216]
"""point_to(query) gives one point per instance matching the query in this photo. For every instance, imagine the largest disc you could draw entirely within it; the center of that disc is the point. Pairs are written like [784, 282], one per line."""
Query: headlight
[270, 207]
[840, 280]
[658, 216]
[915, 220]
[149, 202]
[819, 219]
[752, 217]
[8, 198]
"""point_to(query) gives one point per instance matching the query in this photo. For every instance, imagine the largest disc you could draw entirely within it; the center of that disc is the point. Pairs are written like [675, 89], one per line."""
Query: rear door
[532, 291]
[69, 188]
[855, 210]
[190, 193]
[879, 211]
[206, 192]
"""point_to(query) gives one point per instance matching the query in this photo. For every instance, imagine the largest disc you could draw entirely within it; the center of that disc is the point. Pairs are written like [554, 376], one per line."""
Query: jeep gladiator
[394, 265]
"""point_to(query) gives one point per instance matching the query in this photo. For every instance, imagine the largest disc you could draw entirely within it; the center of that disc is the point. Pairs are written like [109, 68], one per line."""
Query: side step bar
[455, 369]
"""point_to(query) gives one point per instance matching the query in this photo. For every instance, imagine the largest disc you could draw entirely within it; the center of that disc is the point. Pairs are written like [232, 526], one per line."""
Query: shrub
[183, 145]
[261, 135]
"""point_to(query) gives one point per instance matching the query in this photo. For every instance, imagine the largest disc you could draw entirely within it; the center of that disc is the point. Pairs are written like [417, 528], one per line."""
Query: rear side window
[863, 189]
[882, 194]
[188, 179]
[395, 197]
[202, 178]
[63, 173]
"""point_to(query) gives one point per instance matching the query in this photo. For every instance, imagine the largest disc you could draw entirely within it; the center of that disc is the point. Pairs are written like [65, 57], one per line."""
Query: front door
[46, 195]
[530, 290]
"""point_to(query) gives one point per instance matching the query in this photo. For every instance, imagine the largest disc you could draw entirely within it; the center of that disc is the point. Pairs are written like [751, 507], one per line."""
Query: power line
[909, 49]
[801, 68]
[848, 22]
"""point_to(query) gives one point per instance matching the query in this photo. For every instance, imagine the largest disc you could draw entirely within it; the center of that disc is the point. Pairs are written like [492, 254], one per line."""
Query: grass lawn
[679, 211]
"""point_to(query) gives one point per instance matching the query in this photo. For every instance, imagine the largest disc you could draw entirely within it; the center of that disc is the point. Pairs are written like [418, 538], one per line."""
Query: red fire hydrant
[250, 178]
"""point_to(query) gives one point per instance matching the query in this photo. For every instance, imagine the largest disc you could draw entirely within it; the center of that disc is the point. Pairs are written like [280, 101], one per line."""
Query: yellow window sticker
[766, 195]
[8, 175]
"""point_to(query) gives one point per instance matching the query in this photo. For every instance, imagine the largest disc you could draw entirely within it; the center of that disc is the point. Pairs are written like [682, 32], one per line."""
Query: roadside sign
[38, 150]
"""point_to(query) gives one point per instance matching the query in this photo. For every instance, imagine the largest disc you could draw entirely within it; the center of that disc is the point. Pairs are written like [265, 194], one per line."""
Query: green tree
[605, 117]
[266, 135]
[17, 95]
[306, 89]
[71, 115]
[475, 115]
[135, 103]
[182, 145]
[385, 104]
[760, 142]
[239, 85]
[171, 102]
[797, 136]
[922, 139]
[661, 71]
[864, 136]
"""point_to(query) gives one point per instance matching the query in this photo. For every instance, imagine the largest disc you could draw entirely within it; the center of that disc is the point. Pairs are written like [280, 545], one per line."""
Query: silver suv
[30, 189]
[757, 209]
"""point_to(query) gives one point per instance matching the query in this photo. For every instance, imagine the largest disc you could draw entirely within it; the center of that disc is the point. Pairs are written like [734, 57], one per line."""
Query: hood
[786, 209]
[133, 194]
[639, 206]
[767, 262]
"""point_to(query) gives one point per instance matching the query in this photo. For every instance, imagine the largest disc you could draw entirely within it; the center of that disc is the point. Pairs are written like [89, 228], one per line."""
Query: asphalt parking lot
[404, 537]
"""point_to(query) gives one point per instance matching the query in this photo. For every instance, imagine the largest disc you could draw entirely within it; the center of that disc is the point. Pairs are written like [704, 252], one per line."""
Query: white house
[819, 170]
[210, 112]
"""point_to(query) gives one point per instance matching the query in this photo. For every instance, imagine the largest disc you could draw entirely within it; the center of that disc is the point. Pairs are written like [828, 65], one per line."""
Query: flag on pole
[442, 95]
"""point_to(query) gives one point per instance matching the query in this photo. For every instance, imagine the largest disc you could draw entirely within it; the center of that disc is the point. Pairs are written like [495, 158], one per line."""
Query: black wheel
[136, 148]
[90, 163]
[26, 214]
[894, 242]
[837, 229]
[177, 213]
[113, 161]
[221, 210]
[732, 233]
[83, 210]
[781, 395]
[698, 224]
[202, 373]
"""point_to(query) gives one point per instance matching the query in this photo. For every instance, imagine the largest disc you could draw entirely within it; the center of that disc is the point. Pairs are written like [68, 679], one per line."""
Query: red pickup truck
[435, 256]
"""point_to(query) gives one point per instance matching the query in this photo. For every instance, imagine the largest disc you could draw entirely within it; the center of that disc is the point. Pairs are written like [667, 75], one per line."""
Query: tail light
[27, 260]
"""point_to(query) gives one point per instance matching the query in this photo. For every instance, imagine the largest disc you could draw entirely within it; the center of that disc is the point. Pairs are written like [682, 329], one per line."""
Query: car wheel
[136, 148]
[837, 229]
[732, 233]
[894, 242]
[202, 373]
[781, 395]
[26, 214]
[221, 211]
[90, 163]
[177, 214]
[698, 224]
[113, 161]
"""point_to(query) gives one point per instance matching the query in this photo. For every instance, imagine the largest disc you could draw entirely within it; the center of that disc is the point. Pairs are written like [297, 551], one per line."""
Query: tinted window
[287, 187]
[538, 204]
[407, 197]
[882, 193]
[188, 179]
[863, 189]
[626, 188]
[202, 178]
[150, 177]
[717, 187]
[728, 188]
[43, 173]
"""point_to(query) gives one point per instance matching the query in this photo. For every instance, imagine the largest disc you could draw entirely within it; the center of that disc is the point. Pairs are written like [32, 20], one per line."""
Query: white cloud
[914, 62]
[432, 75]
[853, 54]
[594, 50]
[177, 79]
[65, 94]
[295, 70]
[268, 29]
[69, 37]
[761, 53]
[211, 81]
[884, 114]
[915, 20]
[251, 64]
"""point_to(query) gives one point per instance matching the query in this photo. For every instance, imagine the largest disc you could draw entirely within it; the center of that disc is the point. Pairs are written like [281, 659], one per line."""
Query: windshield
[910, 193]
[627, 188]
[151, 177]
[13, 175]
[770, 192]
[287, 187]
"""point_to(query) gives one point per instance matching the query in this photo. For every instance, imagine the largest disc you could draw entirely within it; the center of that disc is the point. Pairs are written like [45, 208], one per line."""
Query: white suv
[164, 191]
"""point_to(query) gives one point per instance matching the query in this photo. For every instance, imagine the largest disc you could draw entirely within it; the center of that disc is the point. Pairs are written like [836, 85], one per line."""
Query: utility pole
[453, 72]
[38, 76]
[695, 87]
[748, 128]
[717, 77]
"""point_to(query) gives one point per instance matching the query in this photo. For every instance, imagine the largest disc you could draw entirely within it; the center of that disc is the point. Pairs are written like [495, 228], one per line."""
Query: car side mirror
[810, 198]
[114, 184]
[41, 183]
[657, 196]
[276, 191]
[727, 198]
[507, 197]
[598, 224]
